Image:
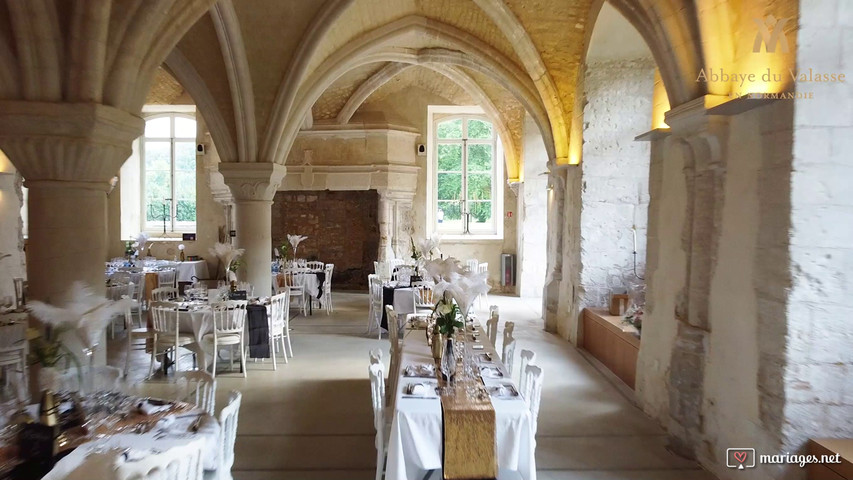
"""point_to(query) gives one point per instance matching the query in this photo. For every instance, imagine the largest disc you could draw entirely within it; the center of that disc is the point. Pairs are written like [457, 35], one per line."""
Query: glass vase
[448, 360]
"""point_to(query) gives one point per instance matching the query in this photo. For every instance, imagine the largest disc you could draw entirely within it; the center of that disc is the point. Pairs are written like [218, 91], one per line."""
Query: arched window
[169, 173]
[467, 174]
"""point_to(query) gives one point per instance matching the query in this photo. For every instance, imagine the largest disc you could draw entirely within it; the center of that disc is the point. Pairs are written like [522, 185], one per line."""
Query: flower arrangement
[295, 240]
[416, 255]
[456, 287]
[634, 316]
[226, 254]
[83, 313]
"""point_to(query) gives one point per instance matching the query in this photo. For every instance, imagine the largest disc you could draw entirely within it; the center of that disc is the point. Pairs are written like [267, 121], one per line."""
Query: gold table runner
[469, 435]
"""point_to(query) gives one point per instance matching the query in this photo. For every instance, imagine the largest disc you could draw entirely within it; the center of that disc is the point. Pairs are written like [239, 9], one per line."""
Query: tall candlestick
[634, 233]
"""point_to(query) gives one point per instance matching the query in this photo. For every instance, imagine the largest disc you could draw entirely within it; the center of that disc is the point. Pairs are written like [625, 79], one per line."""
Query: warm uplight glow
[660, 103]
[5, 164]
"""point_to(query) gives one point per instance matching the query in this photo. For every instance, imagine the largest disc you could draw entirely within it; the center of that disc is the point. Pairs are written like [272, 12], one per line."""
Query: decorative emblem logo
[771, 32]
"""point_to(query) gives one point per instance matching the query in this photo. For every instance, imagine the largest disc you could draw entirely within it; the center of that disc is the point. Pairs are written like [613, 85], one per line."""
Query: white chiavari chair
[280, 326]
[228, 423]
[295, 289]
[533, 393]
[508, 346]
[166, 333]
[327, 288]
[377, 394]
[182, 462]
[134, 333]
[315, 266]
[395, 335]
[198, 388]
[471, 264]
[424, 299]
[116, 292]
[483, 268]
[375, 356]
[229, 321]
[403, 274]
[527, 358]
[374, 315]
[164, 294]
[168, 277]
[492, 329]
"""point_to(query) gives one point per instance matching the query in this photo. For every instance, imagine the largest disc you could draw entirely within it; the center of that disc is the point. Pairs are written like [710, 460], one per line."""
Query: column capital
[252, 181]
[79, 142]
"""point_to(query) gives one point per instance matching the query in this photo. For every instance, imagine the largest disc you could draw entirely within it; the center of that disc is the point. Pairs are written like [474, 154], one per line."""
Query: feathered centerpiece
[295, 240]
[227, 254]
[83, 313]
[456, 287]
[139, 244]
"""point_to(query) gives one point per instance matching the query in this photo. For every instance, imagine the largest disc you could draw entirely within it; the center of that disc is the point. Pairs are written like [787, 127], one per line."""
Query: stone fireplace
[342, 228]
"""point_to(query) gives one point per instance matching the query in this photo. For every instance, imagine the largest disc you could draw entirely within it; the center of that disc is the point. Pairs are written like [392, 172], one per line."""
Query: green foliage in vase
[445, 313]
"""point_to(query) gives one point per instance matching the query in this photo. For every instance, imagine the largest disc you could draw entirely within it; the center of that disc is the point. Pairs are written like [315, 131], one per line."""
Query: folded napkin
[490, 372]
[418, 389]
[147, 408]
[420, 370]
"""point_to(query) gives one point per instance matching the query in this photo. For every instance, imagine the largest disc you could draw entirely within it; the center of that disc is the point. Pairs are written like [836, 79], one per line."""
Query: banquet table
[189, 269]
[416, 441]
[180, 424]
[312, 281]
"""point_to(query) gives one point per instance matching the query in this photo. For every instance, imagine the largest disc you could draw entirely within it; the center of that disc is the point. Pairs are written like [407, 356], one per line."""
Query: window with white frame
[168, 173]
[466, 176]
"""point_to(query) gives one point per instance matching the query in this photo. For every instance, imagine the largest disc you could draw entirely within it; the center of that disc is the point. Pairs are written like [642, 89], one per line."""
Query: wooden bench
[613, 342]
[832, 471]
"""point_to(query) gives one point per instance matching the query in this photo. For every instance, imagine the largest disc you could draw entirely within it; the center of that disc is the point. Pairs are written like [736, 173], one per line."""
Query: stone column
[554, 244]
[253, 185]
[386, 224]
[67, 154]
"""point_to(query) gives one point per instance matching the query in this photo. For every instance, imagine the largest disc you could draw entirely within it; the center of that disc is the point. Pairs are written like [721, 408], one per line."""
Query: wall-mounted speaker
[421, 150]
[199, 149]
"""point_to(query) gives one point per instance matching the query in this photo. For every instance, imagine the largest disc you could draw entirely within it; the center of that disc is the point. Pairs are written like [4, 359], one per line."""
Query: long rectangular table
[416, 442]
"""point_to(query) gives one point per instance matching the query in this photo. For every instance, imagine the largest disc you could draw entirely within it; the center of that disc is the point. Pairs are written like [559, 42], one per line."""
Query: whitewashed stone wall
[11, 238]
[533, 213]
[818, 392]
[615, 175]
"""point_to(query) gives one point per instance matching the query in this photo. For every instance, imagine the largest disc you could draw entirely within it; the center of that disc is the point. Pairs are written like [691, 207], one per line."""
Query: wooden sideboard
[831, 446]
[612, 342]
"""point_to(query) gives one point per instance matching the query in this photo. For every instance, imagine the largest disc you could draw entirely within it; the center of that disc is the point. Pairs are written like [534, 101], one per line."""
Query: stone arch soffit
[377, 45]
[191, 80]
[454, 74]
[672, 37]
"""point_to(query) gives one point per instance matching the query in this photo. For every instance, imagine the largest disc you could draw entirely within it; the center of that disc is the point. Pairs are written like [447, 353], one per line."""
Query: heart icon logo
[740, 456]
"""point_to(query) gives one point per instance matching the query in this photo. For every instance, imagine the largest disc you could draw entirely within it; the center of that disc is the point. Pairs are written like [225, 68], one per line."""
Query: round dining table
[121, 428]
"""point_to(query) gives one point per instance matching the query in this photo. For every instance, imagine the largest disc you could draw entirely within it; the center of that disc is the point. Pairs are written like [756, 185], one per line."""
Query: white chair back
[509, 329]
[168, 277]
[483, 267]
[403, 273]
[228, 436]
[375, 356]
[374, 315]
[162, 319]
[314, 265]
[423, 295]
[279, 306]
[198, 388]
[527, 358]
[472, 264]
[164, 294]
[229, 316]
[508, 355]
[533, 394]
[492, 329]
[182, 462]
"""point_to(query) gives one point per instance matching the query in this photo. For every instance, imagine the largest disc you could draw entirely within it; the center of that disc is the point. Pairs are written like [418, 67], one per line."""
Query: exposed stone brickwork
[342, 228]
[615, 176]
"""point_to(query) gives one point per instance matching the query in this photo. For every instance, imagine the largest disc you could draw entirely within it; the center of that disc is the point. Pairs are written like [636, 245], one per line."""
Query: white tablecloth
[187, 270]
[309, 281]
[96, 460]
[415, 443]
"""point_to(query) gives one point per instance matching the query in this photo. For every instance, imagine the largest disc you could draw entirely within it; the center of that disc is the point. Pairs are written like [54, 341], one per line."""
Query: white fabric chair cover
[327, 288]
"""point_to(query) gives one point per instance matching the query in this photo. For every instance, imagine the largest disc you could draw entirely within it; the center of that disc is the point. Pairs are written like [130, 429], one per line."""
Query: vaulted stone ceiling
[165, 89]
[258, 69]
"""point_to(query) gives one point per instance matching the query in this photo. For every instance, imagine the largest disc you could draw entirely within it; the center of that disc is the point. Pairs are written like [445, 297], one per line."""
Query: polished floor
[311, 419]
